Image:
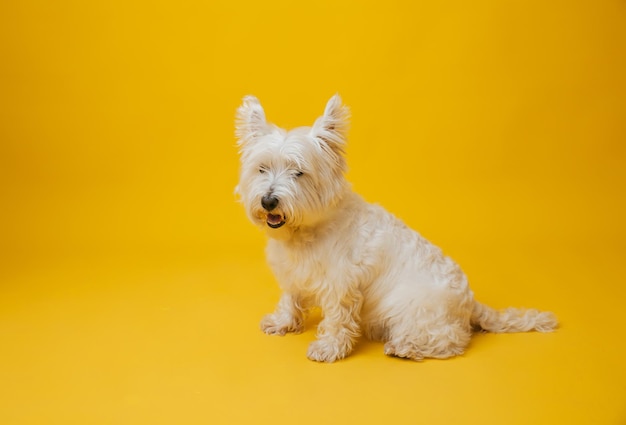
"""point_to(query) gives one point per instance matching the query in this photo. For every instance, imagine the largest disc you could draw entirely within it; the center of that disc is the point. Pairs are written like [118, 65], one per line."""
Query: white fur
[366, 269]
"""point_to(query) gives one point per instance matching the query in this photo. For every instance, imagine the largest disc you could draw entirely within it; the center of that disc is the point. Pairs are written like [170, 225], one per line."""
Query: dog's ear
[250, 122]
[332, 127]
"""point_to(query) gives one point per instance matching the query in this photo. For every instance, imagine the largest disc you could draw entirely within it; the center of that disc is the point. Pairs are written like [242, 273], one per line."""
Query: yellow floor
[131, 283]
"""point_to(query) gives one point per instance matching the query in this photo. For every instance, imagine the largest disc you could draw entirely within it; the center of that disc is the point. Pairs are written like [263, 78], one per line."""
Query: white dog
[367, 271]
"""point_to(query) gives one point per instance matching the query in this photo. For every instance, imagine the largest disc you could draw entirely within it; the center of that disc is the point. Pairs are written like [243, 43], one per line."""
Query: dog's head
[293, 178]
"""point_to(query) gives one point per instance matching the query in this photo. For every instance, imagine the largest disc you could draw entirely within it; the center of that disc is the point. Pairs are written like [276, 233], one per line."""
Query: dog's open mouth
[275, 220]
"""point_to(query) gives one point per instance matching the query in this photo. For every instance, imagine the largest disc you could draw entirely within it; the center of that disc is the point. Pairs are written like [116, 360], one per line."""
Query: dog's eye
[299, 173]
[262, 170]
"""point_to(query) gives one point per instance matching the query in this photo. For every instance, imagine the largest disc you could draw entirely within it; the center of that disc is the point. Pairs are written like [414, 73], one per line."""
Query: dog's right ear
[250, 122]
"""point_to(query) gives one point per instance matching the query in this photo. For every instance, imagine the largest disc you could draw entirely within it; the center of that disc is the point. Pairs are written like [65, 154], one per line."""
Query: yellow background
[131, 284]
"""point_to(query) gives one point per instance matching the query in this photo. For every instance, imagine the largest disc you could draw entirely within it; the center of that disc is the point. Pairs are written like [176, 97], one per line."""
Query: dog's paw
[327, 351]
[403, 351]
[273, 324]
[411, 351]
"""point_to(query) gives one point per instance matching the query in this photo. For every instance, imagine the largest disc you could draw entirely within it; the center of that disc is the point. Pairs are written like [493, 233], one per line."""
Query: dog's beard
[273, 220]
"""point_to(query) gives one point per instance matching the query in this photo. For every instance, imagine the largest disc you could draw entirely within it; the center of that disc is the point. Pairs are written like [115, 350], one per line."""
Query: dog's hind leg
[429, 332]
[440, 343]
[288, 317]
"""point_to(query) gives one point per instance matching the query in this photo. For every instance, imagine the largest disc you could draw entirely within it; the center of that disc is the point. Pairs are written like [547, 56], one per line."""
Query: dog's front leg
[337, 332]
[288, 317]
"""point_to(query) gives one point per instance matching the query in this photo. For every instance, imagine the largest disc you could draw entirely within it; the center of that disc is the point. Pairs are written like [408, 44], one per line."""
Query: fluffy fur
[368, 272]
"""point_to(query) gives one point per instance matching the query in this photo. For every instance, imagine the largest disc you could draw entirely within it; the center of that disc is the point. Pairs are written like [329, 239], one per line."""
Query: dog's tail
[512, 319]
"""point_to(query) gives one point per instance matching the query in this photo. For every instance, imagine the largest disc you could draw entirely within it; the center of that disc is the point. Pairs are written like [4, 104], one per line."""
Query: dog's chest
[308, 266]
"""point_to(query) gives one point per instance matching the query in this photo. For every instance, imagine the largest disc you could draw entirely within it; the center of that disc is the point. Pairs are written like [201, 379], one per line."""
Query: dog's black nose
[269, 202]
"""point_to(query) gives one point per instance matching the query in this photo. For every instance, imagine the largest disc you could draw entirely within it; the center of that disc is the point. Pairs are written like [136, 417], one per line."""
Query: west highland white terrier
[367, 271]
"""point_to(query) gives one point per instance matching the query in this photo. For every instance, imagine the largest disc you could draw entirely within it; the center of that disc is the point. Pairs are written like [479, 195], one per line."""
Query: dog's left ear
[332, 127]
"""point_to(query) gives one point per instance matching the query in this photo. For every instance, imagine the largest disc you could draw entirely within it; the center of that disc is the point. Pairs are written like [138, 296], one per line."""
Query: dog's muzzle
[269, 202]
